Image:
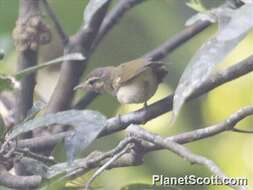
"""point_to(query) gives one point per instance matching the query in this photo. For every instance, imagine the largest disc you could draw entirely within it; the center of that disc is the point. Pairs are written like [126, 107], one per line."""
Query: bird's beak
[80, 86]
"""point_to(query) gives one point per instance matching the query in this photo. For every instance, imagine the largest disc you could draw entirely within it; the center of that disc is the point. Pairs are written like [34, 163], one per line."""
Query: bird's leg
[145, 105]
[119, 119]
[146, 116]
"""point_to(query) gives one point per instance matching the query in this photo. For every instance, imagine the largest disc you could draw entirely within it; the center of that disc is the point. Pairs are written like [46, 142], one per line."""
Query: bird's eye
[93, 81]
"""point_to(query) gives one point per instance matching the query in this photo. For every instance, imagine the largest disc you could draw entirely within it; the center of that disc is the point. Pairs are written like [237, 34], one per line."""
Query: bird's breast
[139, 89]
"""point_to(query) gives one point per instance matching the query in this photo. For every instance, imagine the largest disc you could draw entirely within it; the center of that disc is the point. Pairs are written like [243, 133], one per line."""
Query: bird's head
[96, 80]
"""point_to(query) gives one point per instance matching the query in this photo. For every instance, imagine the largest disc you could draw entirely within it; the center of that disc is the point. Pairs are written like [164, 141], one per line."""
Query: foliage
[8, 83]
[196, 5]
[234, 26]
[88, 124]
[147, 30]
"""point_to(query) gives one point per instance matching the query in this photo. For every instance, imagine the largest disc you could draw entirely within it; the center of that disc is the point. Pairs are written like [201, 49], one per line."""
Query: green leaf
[234, 25]
[63, 168]
[68, 57]
[87, 125]
[8, 83]
[35, 109]
[196, 5]
[88, 130]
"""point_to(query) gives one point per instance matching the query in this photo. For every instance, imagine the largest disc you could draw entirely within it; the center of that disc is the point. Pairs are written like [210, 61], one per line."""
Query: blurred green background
[142, 29]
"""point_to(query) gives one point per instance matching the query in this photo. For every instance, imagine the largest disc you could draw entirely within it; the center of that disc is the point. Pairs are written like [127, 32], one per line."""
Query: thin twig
[94, 162]
[242, 131]
[105, 166]
[136, 158]
[206, 132]
[158, 53]
[176, 41]
[165, 105]
[27, 153]
[153, 110]
[113, 17]
[180, 151]
[85, 100]
[64, 37]
[71, 71]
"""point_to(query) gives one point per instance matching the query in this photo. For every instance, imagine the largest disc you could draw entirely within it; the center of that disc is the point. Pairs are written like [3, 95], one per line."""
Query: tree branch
[157, 54]
[71, 71]
[105, 166]
[135, 158]
[176, 41]
[96, 159]
[108, 23]
[156, 109]
[18, 182]
[27, 54]
[113, 18]
[27, 36]
[64, 37]
[227, 125]
[85, 100]
[180, 150]
[165, 105]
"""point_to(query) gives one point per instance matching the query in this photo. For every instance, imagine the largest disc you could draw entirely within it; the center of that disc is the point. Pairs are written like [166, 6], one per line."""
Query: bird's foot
[119, 119]
[145, 114]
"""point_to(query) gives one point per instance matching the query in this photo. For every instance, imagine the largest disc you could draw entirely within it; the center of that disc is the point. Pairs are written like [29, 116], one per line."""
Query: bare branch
[180, 150]
[44, 142]
[27, 153]
[158, 108]
[105, 166]
[86, 100]
[18, 182]
[27, 50]
[27, 36]
[159, 53]
[227, 125]
[96, 159]
[64, 37]
[113, 17]
[135, 158]
[154, 110]
[176, 41]
[108, 23]
[71, 71]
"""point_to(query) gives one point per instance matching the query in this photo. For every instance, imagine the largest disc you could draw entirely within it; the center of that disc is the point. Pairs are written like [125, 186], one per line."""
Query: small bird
[131, 82]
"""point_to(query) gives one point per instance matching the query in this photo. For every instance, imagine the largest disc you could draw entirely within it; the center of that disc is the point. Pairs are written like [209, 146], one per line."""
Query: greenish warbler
[131, 82]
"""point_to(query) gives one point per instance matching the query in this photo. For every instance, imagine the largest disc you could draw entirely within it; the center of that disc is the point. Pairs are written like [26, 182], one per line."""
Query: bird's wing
[134, 68]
